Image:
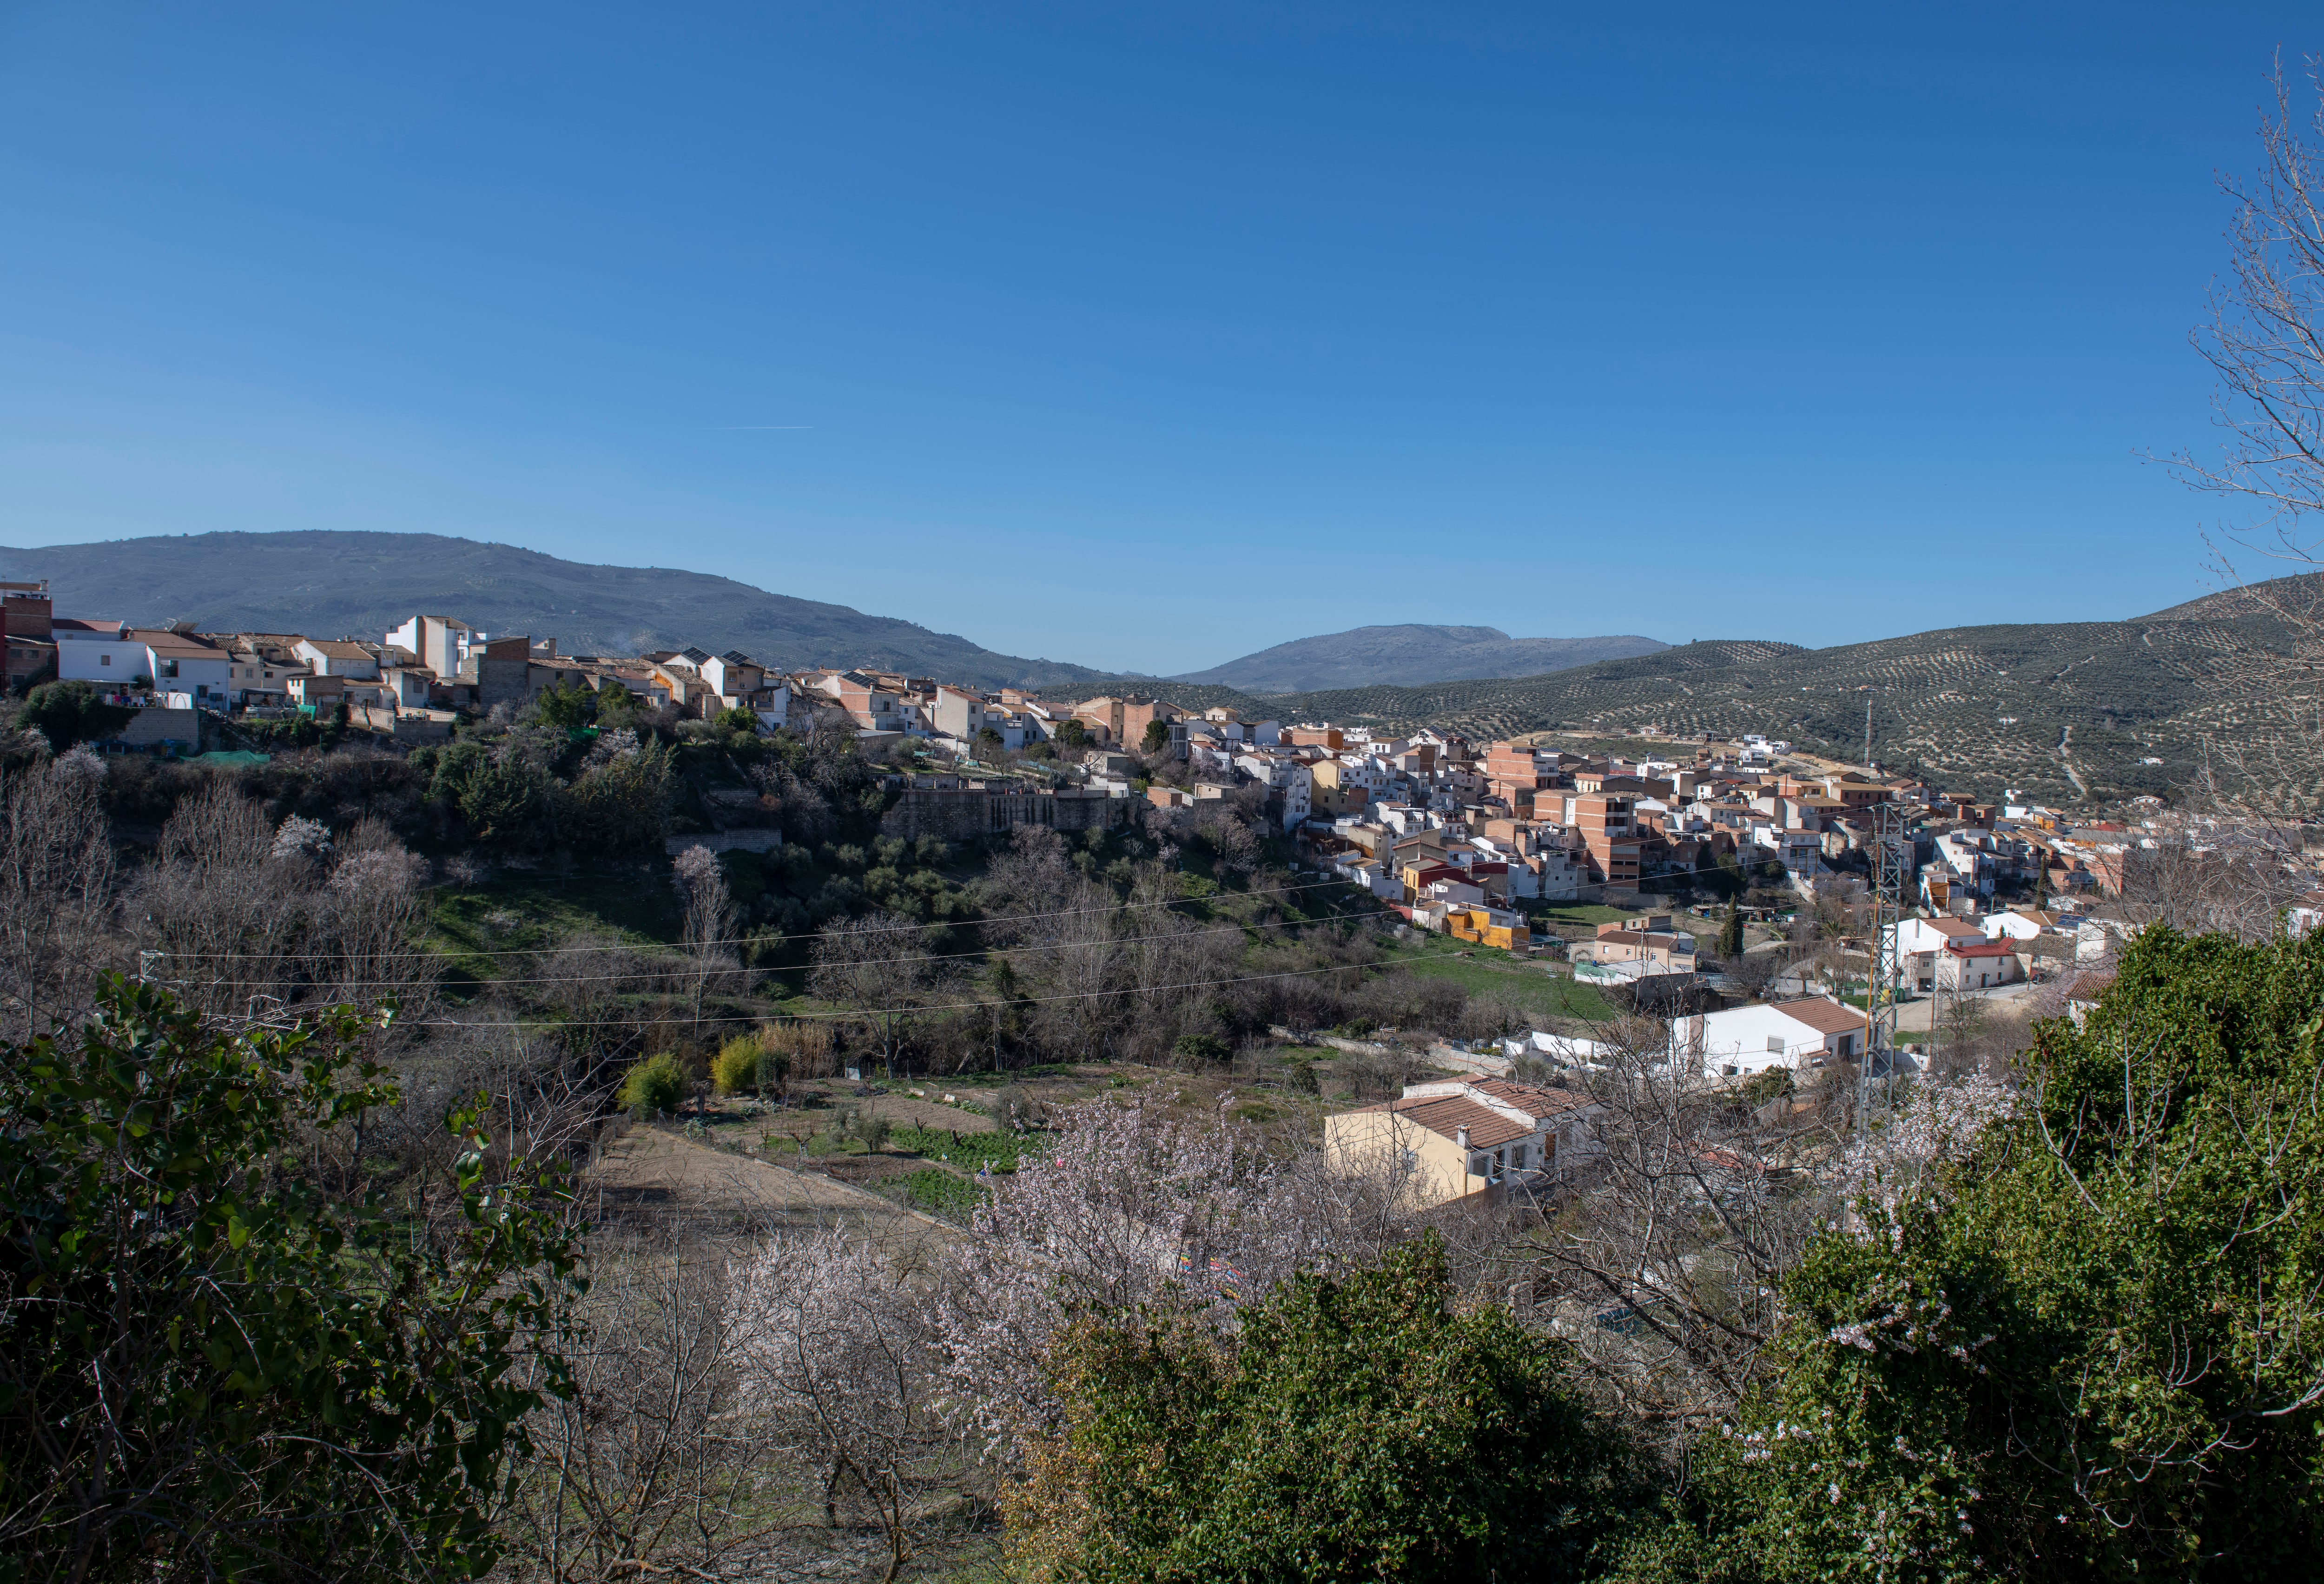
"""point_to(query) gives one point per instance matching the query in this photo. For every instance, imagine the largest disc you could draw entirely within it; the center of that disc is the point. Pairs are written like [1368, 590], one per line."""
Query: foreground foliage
[1363, 1428]
[213, 1364]
[2095, 1352]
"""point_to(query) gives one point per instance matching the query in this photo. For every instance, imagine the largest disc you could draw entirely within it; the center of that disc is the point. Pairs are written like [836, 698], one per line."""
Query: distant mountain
[1411, 654]
[2066, 712]
[334, 584]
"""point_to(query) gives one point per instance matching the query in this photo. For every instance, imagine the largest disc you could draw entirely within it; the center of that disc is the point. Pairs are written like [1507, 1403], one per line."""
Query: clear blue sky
[1145, 336]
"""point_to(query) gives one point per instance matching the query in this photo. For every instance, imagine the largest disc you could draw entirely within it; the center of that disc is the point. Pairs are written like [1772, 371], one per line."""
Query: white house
[1978, 965]
[2018, 924]
[90, 651]
[439, 642]
[1368, 873]
[1918, 941]
[338, 657]
[1965, 852]
[180, 663]
[1797, 1035]
[1561, 1050]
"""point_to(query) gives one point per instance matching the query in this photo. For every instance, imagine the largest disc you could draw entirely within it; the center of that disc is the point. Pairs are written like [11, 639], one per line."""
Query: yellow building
[1488, 926]
[1441, 1142]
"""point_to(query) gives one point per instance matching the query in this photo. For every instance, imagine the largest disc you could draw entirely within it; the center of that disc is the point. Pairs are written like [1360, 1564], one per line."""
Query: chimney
[1461, 1137]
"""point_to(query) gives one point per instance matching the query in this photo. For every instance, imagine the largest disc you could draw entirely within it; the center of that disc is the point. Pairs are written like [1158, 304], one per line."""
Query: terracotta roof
[1958, 928]
[170, 643]
[1448, 1114]
[1981, 948]
[1531, 1098]
[1826, 1017]
[2087, 986]
[339, 648]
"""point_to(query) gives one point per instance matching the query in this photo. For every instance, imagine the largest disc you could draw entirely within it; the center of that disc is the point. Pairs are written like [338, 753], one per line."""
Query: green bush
[1203, 1049]
[654, 1084]
[1366, 1428]
[71, 712]
[744, 1065]
[2010, 1373]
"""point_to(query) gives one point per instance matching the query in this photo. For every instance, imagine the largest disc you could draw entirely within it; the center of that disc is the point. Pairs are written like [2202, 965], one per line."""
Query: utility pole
[1890, 873]
[1868, 735]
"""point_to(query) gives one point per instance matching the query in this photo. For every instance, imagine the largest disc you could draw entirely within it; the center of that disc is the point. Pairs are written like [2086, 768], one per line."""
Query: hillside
[1412, 654]
[334, 584]
[2064, 712]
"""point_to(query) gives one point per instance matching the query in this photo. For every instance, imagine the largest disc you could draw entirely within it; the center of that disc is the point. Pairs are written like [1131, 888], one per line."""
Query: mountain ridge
[2070, 712]
[329, 582]
[1410, 654]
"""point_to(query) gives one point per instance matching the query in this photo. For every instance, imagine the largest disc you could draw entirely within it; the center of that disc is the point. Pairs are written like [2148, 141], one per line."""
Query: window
[168, 668]
[105, 659]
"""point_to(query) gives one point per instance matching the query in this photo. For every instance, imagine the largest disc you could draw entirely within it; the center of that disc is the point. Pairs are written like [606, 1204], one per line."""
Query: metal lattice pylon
[1892, 867]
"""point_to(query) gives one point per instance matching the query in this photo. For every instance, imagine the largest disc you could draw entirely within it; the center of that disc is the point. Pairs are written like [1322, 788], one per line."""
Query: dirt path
[648, 1174]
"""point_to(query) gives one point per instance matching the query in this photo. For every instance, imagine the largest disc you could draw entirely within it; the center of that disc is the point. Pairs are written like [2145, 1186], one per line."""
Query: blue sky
[1146, 336]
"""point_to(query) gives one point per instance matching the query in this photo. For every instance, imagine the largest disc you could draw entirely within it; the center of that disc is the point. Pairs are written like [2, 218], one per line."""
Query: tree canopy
[216, 1364]
[72, 712]
[1361, 1428]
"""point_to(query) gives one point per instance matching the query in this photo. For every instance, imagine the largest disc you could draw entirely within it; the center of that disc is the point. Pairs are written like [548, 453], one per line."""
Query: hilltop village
[1471, 841]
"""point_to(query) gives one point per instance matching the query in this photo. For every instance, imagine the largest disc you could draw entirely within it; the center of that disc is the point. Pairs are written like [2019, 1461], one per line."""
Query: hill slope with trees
[330, 583]
[2061, 710]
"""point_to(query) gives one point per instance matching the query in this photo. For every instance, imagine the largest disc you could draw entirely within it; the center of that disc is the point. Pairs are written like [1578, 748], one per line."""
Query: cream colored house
[1452, 1139]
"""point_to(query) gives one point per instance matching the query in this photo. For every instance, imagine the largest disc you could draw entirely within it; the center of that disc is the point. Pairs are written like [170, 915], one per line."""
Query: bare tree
[2208, 875]
[1121, 1202]
[56, 888]
[644, 1468]
[2264, 341]
[877, 969]
[709, 918]
[1666, 1267]
[836, 1346]
[367, 923]
[224, 914]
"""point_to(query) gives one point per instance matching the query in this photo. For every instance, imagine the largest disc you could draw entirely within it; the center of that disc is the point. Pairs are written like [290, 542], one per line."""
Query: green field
[1575, 916]
[1493, 973]
[526, 912]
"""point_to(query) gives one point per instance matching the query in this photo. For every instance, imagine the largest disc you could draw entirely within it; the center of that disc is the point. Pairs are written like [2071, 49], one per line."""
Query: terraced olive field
[2065, 712]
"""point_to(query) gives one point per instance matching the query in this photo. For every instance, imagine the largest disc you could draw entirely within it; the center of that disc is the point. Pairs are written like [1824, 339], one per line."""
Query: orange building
[1607, 831]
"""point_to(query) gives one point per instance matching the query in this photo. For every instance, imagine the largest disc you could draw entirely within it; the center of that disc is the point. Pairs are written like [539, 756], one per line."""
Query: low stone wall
[150, 728]
[964, 814]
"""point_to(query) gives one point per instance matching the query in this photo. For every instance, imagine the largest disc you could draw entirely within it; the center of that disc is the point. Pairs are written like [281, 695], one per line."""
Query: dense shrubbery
[220, 1364]
[2097, 1350]
[1368, 1427]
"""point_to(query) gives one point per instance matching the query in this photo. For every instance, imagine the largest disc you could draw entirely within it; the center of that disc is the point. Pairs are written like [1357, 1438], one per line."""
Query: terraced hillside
[2066, 712]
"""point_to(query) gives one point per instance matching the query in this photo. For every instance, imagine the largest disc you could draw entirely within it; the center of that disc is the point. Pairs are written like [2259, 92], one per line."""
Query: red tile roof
[1448, 1114]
